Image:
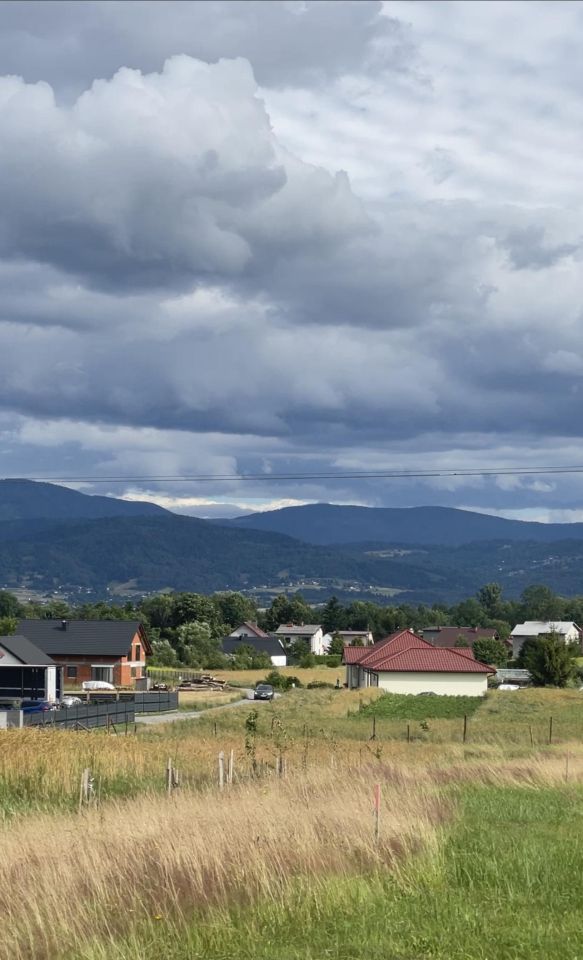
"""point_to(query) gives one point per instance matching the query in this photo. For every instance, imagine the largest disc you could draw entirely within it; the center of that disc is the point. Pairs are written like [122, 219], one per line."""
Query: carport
[25, 671]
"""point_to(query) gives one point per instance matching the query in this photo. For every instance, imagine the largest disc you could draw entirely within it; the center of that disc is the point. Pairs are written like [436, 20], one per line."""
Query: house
[530, 629]
[248, 630]
[406, 663]
[309, 633]
[26, 671]
[452, 637]
[363, 638]
[260, 641]
[110, 650]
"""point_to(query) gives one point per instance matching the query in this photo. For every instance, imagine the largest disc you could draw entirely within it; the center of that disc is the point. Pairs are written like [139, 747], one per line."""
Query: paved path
[153, 719]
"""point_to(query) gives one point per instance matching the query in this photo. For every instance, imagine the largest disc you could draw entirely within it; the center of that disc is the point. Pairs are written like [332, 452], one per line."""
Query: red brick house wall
[126, 669]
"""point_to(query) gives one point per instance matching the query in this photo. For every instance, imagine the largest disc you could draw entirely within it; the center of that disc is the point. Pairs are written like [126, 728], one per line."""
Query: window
[71, 672]
[134, 672]
[102, 673]
[137, 652]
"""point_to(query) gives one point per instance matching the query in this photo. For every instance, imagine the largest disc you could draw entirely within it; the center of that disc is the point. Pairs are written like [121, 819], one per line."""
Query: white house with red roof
[405, 663]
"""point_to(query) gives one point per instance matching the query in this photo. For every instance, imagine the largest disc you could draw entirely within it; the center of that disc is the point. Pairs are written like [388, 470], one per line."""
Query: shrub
[280, 682]
[320, 685]
[329, 659]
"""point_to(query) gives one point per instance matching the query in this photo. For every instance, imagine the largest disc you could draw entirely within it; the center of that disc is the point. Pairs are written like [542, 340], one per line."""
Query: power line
[279, 477]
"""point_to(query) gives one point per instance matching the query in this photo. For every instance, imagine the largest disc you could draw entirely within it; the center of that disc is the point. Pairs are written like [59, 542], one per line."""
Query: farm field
[478, 853]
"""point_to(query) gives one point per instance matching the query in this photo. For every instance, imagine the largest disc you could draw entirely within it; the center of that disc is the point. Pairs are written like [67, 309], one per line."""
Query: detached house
[110, 650]
[250, 635]
[405, 663]
[452, 637]
[310, 633]
[530, 629]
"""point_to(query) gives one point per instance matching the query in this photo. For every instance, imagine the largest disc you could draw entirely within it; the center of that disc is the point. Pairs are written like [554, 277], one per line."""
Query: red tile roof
[435, 660]
[406, 652]
[395, 643]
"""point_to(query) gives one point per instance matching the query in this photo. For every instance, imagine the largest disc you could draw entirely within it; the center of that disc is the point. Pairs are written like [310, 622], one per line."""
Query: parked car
[160, 686]
[28, 705]
[71, 701]
[264, 691]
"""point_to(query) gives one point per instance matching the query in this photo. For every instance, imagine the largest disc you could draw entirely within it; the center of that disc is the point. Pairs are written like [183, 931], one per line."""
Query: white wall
[317, 644]
[51, 683]
[8, 659]
[242, 632]
[450, 684]
[279, 661]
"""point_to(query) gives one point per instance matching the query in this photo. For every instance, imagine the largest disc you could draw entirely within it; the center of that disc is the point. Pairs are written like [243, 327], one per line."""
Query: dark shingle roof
[110, 638]
[25, 651]
[266, 644]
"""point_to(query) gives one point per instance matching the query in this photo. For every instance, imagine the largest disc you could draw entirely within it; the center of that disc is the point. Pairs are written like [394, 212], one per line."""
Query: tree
[8, 626]
[492, 651]
[490, 597]
[199, 647]
[336, 645]
[540, 603]
[461, 641]
[333, 615]
[247, 657]
[233, 608]
[9, 605]
[163, 655]
[549, 660]
[286, 610]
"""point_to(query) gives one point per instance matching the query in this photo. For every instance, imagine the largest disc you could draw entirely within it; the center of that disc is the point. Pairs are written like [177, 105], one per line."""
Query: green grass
[505, 884]
[401, 707]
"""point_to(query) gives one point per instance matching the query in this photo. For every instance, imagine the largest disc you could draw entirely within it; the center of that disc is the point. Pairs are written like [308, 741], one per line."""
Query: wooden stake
[408, 733]
[221, 770]
[231, 768]
[169, 776]
[377, 812]
[465, 728]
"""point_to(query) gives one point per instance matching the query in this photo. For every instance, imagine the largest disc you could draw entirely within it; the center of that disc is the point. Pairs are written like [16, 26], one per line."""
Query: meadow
[477, 851]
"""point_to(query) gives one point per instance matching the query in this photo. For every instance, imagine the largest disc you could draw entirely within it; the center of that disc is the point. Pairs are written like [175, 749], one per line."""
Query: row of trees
[186, 628]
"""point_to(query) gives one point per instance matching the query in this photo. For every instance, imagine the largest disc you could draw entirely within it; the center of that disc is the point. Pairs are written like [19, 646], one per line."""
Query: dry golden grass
[305, 674]
[67, 877]
[204, 699]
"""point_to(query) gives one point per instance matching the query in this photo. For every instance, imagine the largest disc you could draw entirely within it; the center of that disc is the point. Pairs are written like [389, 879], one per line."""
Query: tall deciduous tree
[490, 650]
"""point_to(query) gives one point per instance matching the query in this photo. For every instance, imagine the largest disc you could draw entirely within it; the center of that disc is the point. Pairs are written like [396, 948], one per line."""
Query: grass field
[479, 854]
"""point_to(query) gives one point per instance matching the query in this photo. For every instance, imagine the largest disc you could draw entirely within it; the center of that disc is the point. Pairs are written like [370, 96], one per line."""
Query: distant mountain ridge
[327, 524]
[35, 500]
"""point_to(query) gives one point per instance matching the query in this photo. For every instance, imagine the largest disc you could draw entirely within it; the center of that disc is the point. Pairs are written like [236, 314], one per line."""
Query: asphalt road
[153, 719]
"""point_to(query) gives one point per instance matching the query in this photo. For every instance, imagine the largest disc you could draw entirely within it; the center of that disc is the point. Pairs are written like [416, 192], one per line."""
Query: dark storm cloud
[181, 291]
[288, 41]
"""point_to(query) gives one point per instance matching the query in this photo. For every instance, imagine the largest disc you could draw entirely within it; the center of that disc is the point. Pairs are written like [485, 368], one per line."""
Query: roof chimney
[63, 624]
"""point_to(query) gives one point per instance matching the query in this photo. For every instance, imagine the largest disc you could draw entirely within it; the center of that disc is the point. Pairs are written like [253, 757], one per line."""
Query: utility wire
[278, 477]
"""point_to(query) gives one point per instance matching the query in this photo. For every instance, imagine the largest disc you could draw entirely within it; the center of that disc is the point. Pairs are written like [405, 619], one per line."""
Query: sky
[249, 238]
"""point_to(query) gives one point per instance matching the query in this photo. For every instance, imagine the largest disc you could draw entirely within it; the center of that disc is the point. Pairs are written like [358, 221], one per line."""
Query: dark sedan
[264, 691]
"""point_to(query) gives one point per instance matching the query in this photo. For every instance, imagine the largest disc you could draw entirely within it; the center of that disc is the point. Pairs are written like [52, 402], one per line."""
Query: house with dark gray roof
[110, 650]
[258, 640]
[26, 671]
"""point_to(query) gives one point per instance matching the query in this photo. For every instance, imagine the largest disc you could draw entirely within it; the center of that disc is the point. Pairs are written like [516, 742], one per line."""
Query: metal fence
[156, 701]
[86, 715]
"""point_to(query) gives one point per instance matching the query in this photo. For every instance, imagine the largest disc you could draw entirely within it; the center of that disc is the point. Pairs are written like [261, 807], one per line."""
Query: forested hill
[182, 553]
[33, 500]
[325, 523]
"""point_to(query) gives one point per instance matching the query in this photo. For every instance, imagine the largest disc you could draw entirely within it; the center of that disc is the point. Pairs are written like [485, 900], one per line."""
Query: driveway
[153, 719]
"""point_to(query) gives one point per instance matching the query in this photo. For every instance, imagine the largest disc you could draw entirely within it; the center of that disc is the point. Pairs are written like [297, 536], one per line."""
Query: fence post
[550, 730]
[408, 733]
[231, 767]
[221, 770]
[169, 776]
[465, 728]
[373, 735]
[377, 812]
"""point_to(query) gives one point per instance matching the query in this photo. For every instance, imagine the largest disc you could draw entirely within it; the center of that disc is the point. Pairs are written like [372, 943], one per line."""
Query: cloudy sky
[293, 237]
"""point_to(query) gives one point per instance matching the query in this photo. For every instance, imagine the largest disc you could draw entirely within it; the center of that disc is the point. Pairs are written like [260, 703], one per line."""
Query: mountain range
[326, 523]
[54, 538]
